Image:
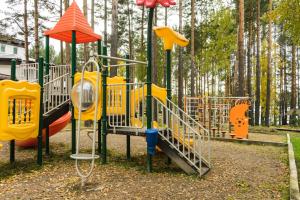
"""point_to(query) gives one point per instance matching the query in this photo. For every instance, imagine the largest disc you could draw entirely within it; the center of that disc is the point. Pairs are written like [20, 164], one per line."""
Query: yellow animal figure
[239, 120]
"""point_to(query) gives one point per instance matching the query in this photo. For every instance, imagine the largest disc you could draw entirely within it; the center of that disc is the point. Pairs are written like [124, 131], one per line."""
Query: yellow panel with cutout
[89, 113]
[26, 98]
[170, 37]
[157, 92]
[116, 96]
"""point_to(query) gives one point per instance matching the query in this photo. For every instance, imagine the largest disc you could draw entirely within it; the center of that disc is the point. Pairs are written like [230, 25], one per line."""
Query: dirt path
[239, 172]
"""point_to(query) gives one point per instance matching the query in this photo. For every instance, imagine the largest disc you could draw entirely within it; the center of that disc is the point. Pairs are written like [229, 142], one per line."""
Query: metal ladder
[84, 156]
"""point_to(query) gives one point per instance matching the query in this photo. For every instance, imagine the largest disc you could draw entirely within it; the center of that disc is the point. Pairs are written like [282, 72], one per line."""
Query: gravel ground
[239, 172]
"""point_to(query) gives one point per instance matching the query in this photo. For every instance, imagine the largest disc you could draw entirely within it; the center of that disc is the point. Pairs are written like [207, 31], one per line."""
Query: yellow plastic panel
[157, 92]
[170, 37]
[27, 110]
[89, 114]
[116, 96]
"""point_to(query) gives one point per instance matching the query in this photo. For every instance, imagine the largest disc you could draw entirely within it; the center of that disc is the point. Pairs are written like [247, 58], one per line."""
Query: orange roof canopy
[73, 20]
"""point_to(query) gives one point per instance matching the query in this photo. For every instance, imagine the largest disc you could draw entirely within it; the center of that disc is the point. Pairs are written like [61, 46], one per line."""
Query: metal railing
[57, 87]
[212, 112]
[28, 72]
[123, 114]
[183, 133]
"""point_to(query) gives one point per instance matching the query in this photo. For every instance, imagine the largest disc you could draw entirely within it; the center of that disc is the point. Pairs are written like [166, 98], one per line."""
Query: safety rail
[28, 72]
[190, 140]
[57, 87]
[212, 112]
[57, 84]
[122, 114]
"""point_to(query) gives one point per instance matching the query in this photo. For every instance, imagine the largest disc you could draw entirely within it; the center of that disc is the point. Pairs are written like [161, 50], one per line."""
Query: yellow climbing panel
[20, 110]
[170, 37]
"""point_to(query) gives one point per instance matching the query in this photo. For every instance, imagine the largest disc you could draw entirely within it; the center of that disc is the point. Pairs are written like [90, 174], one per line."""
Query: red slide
[54, 128]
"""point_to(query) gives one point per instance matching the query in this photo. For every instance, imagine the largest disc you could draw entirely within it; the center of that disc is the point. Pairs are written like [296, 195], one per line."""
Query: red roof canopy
[73, 20]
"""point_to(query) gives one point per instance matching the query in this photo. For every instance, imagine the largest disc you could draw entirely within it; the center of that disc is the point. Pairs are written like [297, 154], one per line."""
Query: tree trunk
[154, 52]
[61, 43]
[68, 56]
[285, 101]
[85, 46]
[26, 32]
[249, 62]
[105, 22]
[129, 31]
[164, 58]
[36, 30]
[180, 64]
[241, 49]
[192, 48]
[93, 14]
[142, 69]
[258, 68]
[93, 45]
[269, 71]
[281, 109]
[114, 37]
[294, 80]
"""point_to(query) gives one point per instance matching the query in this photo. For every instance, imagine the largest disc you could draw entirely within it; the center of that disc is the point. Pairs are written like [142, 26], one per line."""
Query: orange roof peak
[73, 20]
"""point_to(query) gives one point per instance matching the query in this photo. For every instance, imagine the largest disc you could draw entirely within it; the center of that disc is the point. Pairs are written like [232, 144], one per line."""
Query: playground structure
[220, 115]
[116, 105]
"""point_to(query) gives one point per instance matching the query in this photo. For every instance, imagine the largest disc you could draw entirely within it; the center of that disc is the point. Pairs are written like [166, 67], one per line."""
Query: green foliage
[218, 42]
[52, 53]
[287, 14]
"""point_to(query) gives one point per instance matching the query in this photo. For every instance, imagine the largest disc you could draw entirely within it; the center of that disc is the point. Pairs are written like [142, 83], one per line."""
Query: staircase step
[204, 170]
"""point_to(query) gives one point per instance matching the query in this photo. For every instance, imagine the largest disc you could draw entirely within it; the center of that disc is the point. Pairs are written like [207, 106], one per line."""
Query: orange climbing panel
[239, 120]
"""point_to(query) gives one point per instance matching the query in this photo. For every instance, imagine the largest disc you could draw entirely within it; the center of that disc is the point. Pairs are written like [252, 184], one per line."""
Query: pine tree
[114, 36]
[180, 62]
[258, 68]
[269, 72]
[241, 55]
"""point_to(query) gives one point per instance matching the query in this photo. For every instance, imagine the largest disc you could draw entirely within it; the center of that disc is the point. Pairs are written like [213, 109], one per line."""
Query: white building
[10, 48]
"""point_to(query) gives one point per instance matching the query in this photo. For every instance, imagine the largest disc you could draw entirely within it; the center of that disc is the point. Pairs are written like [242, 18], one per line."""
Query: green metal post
[99, 122]
[47, 63]
[149, 80]
[104, 103]
[12, 142]
[127, 109]
[40, 136]
[73, 75]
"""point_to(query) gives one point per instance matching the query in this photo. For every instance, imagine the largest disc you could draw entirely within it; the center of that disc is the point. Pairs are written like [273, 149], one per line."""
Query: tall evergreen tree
[269, 71]
[241, 50]
[36, 29]
[114, 36]
[258, 67]
[180, 62]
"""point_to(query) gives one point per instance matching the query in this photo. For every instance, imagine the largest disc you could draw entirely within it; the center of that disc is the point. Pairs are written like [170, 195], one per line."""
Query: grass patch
[296, 143]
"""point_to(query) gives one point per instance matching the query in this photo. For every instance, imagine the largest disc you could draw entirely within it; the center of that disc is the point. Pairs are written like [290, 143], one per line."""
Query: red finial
[152, 3]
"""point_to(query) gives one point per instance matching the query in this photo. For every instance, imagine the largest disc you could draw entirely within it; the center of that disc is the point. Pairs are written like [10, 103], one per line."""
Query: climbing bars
[20, 109]
[83, 156]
